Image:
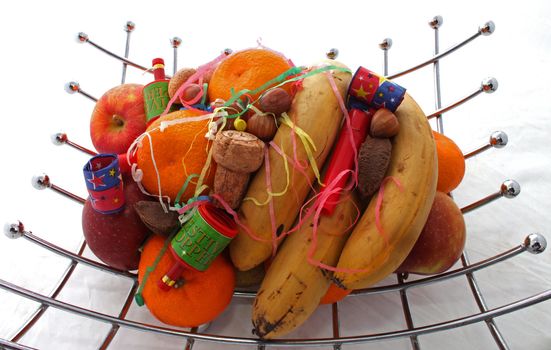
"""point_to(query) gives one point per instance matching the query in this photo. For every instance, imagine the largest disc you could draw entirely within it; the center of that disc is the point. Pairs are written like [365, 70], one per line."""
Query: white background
[40, 54]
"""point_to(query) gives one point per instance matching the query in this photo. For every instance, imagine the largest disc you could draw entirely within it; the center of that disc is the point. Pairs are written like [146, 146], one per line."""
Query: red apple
[116, 238]
[118, 118]
[441, 242]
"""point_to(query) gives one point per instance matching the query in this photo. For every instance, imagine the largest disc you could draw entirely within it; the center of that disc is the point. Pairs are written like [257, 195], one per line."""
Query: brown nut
[262, 126]
[154, 217]
[373, 162]
[275, 101]
[238, 151]
[384, 124]
[190, 92]
[178, 79]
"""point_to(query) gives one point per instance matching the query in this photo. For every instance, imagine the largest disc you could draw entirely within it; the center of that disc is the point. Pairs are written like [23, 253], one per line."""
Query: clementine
[178, 152]
[247, 69]
[334, 294]
[451, 163]
[201, 298]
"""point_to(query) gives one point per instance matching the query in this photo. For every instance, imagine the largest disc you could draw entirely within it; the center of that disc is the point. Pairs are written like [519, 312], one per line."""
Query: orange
[201, 298]
[334, 294]
[451, 163]
[179, 151]
[247, 69]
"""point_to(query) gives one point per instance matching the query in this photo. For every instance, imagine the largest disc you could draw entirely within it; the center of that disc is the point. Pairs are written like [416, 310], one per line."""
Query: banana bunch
[315, 111]
[404, 211]
[293, 286]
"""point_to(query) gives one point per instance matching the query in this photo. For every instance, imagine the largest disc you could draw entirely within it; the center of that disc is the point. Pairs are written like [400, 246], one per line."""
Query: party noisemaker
[103, 179]
[200, 240]
[374, 91]
[155, 94]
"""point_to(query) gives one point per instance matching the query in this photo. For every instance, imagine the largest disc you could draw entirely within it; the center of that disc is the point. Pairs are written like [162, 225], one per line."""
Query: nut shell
[275, 101]
[190, 92]
[384, 124]
[373, 162]
[178, 79]
[238, 151]
[262, 126]
[153, 216]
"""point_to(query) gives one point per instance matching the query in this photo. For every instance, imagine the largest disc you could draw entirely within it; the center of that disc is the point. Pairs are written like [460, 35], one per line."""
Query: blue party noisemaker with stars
[370, 90]
[103, 179]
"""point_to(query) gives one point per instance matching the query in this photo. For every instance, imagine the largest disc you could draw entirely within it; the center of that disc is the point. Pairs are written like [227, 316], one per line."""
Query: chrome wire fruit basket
[403, 287]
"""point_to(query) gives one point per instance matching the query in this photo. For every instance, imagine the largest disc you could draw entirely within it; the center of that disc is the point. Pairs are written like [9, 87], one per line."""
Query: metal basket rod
[475, 289]
[122, 315]
[129, 28]
[492, 313]
[75, 257]
[486, 29]
[401, 277]
[424, 281]
[35, 316]
[435, 24]
[6, 344]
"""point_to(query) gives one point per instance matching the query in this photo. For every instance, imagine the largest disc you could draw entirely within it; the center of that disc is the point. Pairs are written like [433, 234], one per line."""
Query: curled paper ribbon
[103, 179]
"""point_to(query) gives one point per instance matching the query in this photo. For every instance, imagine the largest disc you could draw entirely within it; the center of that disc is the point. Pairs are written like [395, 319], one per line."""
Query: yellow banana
[292, 287]
[375, 255]
[315, 110]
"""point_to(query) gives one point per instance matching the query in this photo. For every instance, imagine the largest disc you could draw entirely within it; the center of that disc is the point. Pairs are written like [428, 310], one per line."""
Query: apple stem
[118, 120]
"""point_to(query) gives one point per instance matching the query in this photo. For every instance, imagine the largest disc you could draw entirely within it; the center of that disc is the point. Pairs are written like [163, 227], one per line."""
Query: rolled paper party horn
[103, 179]
[375, 91]
[342, 158]
[200, 240]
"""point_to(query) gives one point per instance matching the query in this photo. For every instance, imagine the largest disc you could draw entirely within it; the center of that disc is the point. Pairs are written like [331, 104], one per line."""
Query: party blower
[200, 240]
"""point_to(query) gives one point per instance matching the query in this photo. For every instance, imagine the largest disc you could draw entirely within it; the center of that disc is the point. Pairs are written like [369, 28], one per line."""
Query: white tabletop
[40, 55]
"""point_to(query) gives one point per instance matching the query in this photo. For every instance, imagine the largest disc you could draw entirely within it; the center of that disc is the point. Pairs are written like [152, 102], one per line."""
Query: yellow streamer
[274, 194]
[307, 142]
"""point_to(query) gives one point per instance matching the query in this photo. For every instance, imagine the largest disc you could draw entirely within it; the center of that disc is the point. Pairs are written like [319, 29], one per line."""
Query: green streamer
[280, 80]
[138, 297]
[183, 189]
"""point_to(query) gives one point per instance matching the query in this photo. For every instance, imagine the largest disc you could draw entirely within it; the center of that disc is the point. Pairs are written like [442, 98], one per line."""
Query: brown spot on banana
[263, 327]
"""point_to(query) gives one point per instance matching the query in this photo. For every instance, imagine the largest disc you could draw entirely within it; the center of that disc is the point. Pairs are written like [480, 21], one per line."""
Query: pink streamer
[329, 191]
[235, 217]
[271, 201]
[347, 121]
[295, 165]
[189, 104]
[191, 205]
[299, 165]
[193, 78]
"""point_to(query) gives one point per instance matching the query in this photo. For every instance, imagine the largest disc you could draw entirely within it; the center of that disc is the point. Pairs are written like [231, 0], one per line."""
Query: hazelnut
[178, 79]
[262, 126]
[190, 92]
[384, 124]
[275, 101]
